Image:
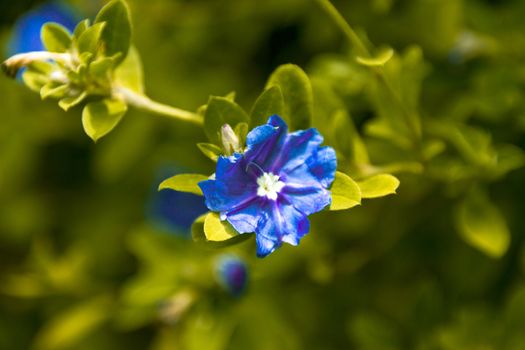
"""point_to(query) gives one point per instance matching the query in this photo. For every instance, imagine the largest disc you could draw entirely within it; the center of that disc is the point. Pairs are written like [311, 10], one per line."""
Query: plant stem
[362, 50]
[146, 104]
[343, 25]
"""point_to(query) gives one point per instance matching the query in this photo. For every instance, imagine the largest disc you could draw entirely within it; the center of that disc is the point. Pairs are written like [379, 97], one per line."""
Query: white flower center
[269, 185]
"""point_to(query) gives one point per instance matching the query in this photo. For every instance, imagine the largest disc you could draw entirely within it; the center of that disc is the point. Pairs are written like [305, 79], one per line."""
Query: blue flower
[274, 185]
[26, 33]
[232, 274]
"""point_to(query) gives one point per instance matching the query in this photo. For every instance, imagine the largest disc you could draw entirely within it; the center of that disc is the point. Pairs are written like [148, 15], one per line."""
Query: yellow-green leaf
[481, 224]
[184, 183]
[99, 118]
[270, 102]
[378, 186]
[345, 192]
[55, 37]
[298, 96]
[210, 150]
[217, 230]
[130, 72]
[378, 60]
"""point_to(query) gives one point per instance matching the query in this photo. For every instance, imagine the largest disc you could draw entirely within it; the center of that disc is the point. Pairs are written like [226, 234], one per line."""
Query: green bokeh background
[82, 266]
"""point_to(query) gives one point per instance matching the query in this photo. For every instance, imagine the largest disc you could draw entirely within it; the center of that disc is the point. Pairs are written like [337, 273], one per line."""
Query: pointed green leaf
[222, 111]
[270, 102]
[55, 37]
[184, 183]
[53, 90]
[380, 59]
[80, 28]
[297, 92]
[197, 229]
[210, 150]
[130, 72]
[37, 75]
[89, 41]
[99, 118]
[345, 192]
[378, 186]
[241, 130]
[482, 225]
[69, 102]
[117, 33]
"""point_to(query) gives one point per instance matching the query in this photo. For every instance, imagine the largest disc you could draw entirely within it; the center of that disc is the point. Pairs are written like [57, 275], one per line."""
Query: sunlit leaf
[380, 59]
[345, 192]
[130, 72]
[99, 118]
[89, 40]
[184, 183]
[210, 150]
[378, 186]
[55, 37]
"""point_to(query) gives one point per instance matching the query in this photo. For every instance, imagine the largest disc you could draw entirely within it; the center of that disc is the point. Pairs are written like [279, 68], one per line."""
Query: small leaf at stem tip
[184, 183]
[55, 37]
[378, 60]
[69, 102]
[99, 118]
[117, 33]
[210, 150]
[345, 192]
[89, 40]
[378, 186]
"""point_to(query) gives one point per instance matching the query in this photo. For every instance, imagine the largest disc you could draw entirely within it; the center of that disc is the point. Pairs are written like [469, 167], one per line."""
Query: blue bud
[232, 274]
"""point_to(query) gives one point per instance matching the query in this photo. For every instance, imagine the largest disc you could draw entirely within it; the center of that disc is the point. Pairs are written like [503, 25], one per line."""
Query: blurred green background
[88, 261]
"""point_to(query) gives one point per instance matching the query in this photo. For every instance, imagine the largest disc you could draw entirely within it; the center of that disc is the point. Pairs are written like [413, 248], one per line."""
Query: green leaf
[89, 40]
[37, 75]
[101, 67]
[117, 33]
[270, 102]
[241, 130]
[378, 60]
[55, 37]
[481, 225]
[80, 28]
[69, 102]
[69, 327]
[222, 111]
[378, 186]
[130, 72]
[210, 230]
[210, 150]
[297, 92]
[53, 90]
[345, 192]
[99, 118]
[184, 183]
[217, 230]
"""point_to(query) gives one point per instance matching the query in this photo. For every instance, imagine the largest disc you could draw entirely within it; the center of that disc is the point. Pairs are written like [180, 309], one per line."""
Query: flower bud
[230, 141]
[232, 274]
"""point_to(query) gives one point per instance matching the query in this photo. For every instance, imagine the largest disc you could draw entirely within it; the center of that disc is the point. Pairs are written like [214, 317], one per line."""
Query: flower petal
[244, 219]
[323, 165]
[281, 222]
[263, 141]
[307, 200]
[232, 186]
[298, 147]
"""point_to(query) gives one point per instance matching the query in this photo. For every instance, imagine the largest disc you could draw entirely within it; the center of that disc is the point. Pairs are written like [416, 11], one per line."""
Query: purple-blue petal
[323, 164]
[308, 200]
[244, 219]
[298, 147]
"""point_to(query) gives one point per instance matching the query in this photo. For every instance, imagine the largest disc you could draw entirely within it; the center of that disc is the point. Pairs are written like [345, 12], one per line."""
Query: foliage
[432, 113]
